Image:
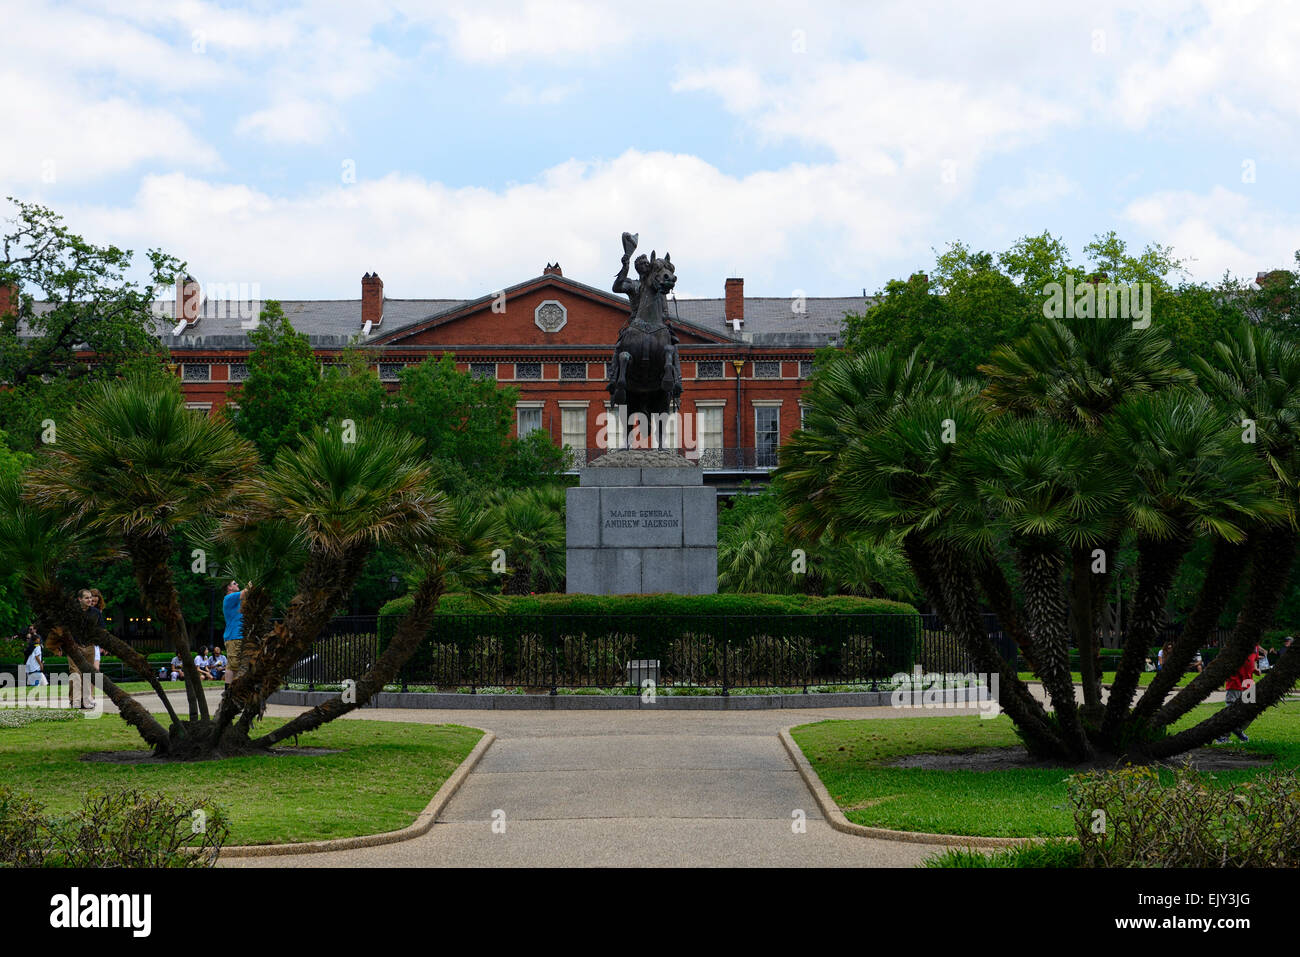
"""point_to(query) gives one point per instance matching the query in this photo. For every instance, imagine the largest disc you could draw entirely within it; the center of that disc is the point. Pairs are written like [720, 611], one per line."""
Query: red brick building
[745, 361]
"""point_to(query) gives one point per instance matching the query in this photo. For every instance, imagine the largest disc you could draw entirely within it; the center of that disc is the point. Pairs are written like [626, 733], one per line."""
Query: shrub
[119, 828]
[1189, 822]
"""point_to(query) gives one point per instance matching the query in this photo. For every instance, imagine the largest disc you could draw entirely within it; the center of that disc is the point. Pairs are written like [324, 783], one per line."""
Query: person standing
[34, 661]
[1235, 685]
[233, 636]
[83, 687]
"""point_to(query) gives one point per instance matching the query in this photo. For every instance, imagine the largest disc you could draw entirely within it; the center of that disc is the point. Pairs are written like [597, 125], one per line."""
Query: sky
[813, 149]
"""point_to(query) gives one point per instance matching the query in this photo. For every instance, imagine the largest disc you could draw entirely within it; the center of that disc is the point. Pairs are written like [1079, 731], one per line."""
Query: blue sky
[817, 148]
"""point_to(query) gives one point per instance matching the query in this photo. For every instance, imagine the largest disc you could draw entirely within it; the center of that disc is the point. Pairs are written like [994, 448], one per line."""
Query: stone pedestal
[639, 522]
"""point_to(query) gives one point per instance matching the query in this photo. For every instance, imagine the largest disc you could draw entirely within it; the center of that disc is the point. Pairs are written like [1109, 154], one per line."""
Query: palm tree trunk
[1041, 567]
[959, 600]
[411, 630]
[1269, 690]
[324, 581]
[1270, 569]
[1227, 563]
[150, 558]
[132, 712]
[68, 621]
[1158, 561]
[997, 592]
[1082, 630]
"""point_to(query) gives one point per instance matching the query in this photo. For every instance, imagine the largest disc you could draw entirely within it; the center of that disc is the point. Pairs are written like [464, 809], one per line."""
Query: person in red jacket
[1235, 685]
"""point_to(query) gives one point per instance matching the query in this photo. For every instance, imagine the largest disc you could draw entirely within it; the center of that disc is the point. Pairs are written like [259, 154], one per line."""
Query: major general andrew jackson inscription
[642, 518]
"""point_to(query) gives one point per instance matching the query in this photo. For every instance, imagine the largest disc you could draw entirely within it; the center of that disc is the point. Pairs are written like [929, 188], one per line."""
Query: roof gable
[588, 316]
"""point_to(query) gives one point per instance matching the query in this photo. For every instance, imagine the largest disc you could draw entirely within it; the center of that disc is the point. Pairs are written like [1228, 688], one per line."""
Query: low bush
[113, 828]
[1131, 818]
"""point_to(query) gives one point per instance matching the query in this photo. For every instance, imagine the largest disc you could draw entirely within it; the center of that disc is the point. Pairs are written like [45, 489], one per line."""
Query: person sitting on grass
[177, 668]
[219, 664]
[203, 662]
[1235, 685]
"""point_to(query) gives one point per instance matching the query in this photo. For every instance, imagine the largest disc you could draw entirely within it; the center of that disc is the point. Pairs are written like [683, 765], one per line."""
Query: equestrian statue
[646, 374]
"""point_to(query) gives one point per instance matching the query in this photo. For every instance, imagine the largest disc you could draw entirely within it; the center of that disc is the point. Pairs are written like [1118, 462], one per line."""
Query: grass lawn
[1020, 802]
[384, 776]
[1108, 677]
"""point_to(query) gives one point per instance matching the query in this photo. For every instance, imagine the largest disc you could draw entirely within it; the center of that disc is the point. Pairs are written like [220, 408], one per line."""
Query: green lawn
[1107, 677]
[384, 776]
[1006, 803]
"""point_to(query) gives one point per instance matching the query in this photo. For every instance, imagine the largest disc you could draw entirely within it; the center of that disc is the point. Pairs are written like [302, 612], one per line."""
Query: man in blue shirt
[233, 636]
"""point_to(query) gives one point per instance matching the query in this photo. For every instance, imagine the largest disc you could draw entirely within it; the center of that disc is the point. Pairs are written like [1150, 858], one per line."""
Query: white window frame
[529, 406]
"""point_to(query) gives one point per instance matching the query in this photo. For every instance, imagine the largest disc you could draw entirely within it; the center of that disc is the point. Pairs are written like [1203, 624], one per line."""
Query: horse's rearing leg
[620, 379]
[671, 379]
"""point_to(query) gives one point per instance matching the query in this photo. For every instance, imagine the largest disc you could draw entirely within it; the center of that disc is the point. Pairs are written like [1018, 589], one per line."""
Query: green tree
[278, 402]
[72, 296]
[1088, 434]
[464, 424]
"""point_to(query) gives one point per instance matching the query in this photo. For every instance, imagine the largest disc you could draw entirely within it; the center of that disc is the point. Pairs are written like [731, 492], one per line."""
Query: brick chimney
[552, 269]
[188, 304]
[735, 305]
[372, 301]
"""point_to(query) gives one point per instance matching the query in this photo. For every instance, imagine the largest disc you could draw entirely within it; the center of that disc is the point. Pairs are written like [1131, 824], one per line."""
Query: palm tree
[534, 541]
[456, 552]
[137, 466]
[1255, 380]
[885, 467]
[1076, 371]
[341, 499]
[1194, 478]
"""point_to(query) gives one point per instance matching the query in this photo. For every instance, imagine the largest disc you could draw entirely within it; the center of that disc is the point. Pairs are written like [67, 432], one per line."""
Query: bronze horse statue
[646, 375]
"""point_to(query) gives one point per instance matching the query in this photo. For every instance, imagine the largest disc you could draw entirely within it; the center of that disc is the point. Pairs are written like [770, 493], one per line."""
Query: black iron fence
[541, 653]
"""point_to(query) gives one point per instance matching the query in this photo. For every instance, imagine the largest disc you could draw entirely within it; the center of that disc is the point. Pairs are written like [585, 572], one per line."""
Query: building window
[709, 369]
[388, 371]
[573, 425]
[767, 369]
[709, 425]
[573, 370]
[239, 372]
[196, 373]
[805, 368]
[767, 436]
[529, 419]
[528, 370]
[483, 370]
[204, 407]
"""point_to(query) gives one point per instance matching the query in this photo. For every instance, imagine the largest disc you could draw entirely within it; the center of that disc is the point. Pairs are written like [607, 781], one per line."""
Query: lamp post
[739, 366]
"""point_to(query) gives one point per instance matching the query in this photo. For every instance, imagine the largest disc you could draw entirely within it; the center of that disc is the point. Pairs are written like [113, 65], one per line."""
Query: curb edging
[421, 825]
[836, 819]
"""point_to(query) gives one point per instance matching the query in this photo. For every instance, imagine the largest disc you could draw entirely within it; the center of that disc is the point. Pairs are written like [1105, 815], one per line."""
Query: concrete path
[676, 789]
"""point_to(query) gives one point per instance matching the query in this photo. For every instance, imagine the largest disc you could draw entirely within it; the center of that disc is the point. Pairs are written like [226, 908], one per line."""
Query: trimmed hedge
[624, 605]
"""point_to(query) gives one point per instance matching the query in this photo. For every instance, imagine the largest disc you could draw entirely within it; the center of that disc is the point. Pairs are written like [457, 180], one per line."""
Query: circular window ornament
[550, 316]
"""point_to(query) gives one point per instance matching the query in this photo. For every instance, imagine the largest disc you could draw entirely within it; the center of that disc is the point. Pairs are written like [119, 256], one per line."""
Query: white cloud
[429, 240]
[292, 121]
[1218, 230]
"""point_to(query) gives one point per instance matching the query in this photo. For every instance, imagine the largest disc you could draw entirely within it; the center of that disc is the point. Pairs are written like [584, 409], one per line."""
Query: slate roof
[333, 323]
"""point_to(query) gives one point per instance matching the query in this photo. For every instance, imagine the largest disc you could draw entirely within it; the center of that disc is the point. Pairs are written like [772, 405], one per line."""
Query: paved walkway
[593, 788]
